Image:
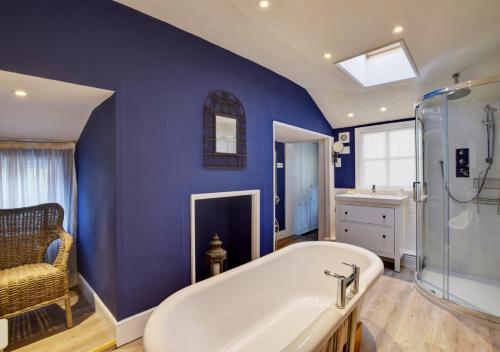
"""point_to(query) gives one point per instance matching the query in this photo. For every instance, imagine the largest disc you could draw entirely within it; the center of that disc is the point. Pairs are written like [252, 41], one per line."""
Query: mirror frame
[224, 104]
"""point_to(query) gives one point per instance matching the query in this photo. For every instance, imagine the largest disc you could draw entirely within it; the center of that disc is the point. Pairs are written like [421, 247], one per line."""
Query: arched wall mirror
[224, 132]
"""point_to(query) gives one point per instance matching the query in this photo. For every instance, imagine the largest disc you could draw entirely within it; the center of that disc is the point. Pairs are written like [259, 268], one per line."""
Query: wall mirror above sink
[224, 132]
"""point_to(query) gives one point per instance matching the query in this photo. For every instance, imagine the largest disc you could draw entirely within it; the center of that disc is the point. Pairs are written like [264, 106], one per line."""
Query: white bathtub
[282, 301]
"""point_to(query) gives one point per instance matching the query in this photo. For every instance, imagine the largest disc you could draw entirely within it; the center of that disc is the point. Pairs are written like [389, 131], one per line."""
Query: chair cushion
[30, 285]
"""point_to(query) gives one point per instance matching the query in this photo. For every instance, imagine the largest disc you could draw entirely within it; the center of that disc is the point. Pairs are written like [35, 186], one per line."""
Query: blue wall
[345, 176]
[280, 184]
[96, 175]
[162, 77]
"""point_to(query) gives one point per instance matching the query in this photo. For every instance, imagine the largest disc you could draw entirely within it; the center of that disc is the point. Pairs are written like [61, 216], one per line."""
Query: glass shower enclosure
[457, 192]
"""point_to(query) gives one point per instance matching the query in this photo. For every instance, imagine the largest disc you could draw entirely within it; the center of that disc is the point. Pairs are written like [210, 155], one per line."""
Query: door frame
[326, 197]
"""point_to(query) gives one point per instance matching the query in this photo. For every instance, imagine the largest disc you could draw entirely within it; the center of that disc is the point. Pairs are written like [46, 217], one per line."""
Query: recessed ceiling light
[327, 56]
[398, 29]
[350, 114]
[383, 109]
[264, 4]
[20, 93]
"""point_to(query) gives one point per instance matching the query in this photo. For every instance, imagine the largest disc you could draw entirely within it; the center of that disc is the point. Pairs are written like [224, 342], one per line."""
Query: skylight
[390, 63]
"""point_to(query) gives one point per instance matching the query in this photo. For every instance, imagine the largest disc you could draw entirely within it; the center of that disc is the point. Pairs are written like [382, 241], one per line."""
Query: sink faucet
[373, 190]
[344, 282]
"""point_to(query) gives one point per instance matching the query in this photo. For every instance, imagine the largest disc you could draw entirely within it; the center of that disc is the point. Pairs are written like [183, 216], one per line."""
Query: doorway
[303, 180]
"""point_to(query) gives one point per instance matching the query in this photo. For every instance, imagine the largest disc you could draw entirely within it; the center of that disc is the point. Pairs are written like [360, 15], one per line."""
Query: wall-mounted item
[224, 121]
[344, 137]
[462, 162]
[337, 149]
[346, 150]
[216, 257]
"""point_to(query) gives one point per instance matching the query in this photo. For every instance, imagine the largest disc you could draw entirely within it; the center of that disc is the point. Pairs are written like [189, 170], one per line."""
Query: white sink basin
[372, 198]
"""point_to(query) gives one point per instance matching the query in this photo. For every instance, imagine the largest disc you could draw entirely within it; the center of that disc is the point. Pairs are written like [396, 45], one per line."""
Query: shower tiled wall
[474, 230]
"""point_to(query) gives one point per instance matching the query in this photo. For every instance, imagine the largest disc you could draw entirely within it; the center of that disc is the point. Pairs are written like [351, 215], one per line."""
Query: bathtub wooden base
[344, 335]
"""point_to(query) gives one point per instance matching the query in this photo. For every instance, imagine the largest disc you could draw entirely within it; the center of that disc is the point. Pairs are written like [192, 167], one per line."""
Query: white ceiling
[290, 37]
[52, 110]
[290, 134]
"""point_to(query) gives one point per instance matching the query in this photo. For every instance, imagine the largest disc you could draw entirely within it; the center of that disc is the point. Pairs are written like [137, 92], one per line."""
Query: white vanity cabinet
[375, 222]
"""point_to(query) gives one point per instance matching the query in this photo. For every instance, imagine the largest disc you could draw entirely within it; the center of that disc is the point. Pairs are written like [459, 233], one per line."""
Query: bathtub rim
[328, 320]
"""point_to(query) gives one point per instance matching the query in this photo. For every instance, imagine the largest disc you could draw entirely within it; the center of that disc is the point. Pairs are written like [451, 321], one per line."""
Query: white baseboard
[409, 259]
[410, 252]
[282, 234]
[98, 305]
[132, 328]
[124, 331]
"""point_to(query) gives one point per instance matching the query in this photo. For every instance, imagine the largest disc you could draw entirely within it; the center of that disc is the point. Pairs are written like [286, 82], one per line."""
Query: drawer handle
[383, 216]
[383, 236]
[345, 213]
[345, 230]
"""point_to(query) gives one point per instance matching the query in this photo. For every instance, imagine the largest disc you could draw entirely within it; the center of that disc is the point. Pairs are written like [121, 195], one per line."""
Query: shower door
[474, 214]
[457, 194]
[429, 196]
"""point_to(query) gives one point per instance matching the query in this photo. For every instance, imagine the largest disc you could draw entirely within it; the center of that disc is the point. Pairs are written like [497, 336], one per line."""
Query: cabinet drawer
[376, 238]
[367, 215]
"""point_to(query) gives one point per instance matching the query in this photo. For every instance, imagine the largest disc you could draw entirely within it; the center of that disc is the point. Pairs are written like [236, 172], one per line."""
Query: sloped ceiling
[290, 37]
[52, 110]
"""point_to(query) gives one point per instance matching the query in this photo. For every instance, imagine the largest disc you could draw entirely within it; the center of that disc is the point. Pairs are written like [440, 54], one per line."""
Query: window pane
[401, 172]
[373, 145]
[375, 173]
[402, 142]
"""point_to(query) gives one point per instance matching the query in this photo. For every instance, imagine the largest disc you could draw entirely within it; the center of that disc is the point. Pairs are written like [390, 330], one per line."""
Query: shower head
[459, 93]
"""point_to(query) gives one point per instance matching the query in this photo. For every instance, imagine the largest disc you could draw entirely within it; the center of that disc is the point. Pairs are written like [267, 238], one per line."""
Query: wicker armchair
[26, 281]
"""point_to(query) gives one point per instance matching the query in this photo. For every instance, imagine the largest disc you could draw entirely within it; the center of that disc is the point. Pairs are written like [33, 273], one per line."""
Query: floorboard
[395, 316]
[286, 241]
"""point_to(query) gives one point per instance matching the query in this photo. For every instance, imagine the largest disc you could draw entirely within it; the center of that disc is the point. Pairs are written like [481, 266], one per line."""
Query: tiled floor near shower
[471, 291]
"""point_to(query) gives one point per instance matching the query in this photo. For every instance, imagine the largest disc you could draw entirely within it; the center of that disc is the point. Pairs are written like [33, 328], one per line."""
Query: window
[385, 155]
[384, 65]
[33, 173]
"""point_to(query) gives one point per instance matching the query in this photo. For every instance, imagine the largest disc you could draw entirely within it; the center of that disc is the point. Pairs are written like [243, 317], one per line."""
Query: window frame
[384, 127]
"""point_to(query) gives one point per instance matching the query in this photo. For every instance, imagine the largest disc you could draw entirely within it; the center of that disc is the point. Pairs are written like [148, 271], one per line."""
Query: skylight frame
[379, 49]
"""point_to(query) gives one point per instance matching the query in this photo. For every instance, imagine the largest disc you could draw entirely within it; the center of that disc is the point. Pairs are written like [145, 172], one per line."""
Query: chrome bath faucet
[344, 282]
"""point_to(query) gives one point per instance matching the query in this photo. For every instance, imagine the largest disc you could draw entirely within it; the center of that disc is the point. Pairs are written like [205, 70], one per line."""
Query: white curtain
[33, 173]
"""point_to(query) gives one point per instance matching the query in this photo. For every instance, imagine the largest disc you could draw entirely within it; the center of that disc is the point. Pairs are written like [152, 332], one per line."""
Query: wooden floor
[310, 236]
[135, 346]
[87, 336]
[395, 318]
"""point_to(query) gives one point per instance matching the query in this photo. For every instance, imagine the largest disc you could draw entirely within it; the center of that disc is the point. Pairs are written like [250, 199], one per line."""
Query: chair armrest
[61, 261]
